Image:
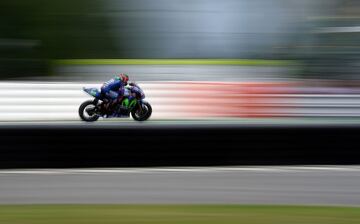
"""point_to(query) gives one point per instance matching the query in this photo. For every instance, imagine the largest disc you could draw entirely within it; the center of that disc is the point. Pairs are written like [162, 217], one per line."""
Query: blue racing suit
[113, 89]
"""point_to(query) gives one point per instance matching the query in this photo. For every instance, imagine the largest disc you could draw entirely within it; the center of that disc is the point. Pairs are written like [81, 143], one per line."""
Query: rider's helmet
[124, 77]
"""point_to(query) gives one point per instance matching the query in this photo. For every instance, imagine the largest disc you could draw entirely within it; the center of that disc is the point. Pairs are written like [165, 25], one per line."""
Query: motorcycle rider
[113, 91]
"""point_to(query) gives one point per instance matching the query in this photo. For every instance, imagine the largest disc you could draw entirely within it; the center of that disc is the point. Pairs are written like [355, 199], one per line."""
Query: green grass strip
[177, 214]
[248, 62]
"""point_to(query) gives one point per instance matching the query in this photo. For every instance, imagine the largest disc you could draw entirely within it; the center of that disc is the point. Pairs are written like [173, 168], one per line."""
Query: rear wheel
[87, 111]
[142, 114]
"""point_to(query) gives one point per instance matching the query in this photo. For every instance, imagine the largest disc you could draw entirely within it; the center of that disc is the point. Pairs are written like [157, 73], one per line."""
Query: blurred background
[281, 58]
[225, 80]
[320, 35]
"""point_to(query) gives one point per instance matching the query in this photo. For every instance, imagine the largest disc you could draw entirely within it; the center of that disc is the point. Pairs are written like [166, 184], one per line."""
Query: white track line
[275, 169]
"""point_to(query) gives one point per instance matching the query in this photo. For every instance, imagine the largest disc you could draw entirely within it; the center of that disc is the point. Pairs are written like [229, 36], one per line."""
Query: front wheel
[142, 113]
[87, 111]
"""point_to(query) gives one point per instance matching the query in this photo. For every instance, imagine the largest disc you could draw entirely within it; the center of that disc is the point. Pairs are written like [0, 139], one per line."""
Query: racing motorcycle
[92, 110]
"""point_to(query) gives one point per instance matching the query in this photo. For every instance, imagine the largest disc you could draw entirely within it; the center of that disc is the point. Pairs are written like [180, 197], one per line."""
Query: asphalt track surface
[330, 185]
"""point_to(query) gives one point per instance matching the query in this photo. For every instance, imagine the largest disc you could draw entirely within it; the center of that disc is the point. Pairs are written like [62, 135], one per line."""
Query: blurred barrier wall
[185, 100]
[44, 146]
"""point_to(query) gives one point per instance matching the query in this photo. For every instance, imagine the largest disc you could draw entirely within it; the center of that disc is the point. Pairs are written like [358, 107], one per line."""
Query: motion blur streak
[254, 185]
[185, 100]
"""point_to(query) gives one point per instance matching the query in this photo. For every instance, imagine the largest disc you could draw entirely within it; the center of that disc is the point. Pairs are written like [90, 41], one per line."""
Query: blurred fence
[184, 100]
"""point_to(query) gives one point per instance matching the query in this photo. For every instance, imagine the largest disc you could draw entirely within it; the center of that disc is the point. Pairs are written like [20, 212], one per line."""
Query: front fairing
[137, 90]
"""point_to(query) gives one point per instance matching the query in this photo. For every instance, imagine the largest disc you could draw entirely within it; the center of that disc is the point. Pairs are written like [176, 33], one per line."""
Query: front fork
[140, 106]
[140, 103]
